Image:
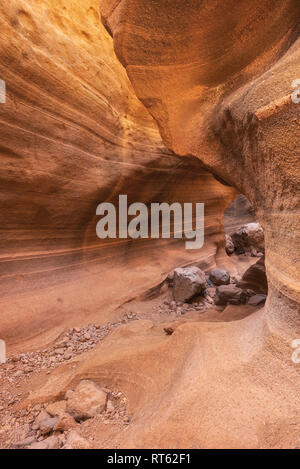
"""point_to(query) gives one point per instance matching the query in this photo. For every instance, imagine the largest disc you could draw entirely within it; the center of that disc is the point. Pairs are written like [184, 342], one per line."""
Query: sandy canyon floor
[165, 368]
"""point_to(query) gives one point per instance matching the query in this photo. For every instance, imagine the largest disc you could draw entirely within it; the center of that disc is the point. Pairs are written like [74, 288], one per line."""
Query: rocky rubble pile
[57, 425]
[74, 342]
[18, 369]
[218, 288]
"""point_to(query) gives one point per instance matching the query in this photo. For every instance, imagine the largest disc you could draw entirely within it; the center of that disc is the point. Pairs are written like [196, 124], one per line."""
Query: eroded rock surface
[218, 80]
[216, 77]
[73, 134]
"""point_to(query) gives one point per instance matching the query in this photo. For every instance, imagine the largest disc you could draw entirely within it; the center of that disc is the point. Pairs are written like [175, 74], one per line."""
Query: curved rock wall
[72, 135]
[217, 77]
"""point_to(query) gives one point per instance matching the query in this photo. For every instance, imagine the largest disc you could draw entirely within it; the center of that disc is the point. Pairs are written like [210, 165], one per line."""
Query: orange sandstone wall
[73, 134]
[217, 77]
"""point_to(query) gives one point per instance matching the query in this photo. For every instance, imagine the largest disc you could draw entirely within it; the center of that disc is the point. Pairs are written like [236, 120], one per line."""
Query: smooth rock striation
[218, 80]
[74, 134]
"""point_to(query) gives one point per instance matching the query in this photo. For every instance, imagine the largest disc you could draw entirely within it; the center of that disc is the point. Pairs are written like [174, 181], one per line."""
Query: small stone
[47, 426]
[169, 330]
[26, 442]
[57, 408]
[170, 279]
[68, 394]
[43, 415]
[257, 300]
[65, 423]
[53, 442]
[75, 441]
[211, 292]
[110, 407]
[209, 300]
[229, 247]
[39, 445]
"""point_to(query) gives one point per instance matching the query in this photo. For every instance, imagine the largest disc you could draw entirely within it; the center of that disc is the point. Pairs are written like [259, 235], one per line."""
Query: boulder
[248, 237]
[229, 294]
[255, 278]
[87, 401]
[188, 282]
[257, 300]
[219, 277]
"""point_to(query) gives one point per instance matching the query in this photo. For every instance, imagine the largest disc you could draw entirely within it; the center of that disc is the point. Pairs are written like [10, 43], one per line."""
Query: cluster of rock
[57, 425]
[74, 342]
[218, 288]
[18, 368]
[248, 239]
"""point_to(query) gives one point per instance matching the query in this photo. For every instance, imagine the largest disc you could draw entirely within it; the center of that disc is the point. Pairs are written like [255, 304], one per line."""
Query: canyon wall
[194, 107]
[72, 135]
[217, 77]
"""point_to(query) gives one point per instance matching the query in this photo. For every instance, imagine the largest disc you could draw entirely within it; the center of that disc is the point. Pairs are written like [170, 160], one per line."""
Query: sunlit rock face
[73, 134]
[217, 77]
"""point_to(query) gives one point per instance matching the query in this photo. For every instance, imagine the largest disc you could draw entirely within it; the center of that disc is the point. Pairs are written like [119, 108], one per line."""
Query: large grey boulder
[188, 282]
[219, 277]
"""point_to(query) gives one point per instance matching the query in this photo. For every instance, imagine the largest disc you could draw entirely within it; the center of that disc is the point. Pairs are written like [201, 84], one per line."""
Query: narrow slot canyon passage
[143, 343]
